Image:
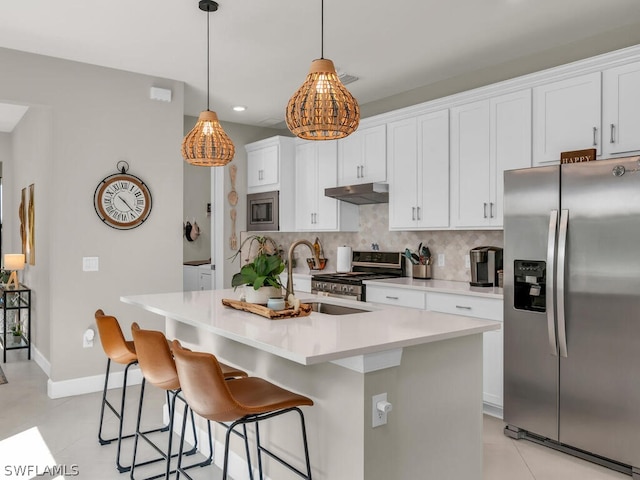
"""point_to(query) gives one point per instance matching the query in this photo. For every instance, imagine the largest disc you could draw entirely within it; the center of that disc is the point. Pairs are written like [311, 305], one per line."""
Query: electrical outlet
[379, 409]
[467, 261]
[441, 259]
[87, 338]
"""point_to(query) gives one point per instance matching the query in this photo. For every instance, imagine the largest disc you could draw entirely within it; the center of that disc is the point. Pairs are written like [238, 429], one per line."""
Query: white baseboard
[95, 383]
[41, 361]
[80, 386]
[493, 410]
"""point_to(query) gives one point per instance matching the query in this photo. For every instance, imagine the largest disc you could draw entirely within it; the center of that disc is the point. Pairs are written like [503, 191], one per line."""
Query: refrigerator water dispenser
[530, 285]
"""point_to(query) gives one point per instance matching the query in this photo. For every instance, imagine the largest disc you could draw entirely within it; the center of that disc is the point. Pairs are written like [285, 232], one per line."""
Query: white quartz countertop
[443, 286]
[318, 337]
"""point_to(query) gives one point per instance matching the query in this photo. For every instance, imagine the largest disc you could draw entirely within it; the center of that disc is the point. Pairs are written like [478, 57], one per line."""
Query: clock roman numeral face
[122, 201]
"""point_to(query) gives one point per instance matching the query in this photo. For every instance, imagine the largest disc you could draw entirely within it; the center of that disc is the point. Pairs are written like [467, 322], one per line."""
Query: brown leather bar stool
[241, 402]
[121, 351]
[159, 369]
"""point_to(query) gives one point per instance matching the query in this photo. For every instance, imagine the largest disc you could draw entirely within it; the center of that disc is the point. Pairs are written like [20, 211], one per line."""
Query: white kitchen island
[429, 365]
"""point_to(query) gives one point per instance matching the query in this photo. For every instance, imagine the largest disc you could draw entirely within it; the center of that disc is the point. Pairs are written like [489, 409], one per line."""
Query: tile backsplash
[374, 229]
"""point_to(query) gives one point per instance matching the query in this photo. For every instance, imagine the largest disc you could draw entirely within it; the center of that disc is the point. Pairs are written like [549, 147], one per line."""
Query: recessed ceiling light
[239, 108]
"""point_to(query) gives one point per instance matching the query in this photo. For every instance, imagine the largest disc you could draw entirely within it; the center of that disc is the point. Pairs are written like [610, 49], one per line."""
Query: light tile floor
[68, 428]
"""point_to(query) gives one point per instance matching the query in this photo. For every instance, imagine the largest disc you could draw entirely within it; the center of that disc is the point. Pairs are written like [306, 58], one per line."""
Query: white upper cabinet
[566, 116]
[471, 166]
[418, 154]
[487, 138]
[510, 144]
[362, 156]
[269, 162]
[316, 168]
[621, 104]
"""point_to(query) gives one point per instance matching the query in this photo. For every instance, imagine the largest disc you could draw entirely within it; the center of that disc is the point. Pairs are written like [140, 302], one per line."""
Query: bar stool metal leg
[119, 414]
[261, 449]
[172, 396]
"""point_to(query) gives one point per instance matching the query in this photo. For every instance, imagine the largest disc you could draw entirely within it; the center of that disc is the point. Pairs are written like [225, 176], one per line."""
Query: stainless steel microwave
[263, 211]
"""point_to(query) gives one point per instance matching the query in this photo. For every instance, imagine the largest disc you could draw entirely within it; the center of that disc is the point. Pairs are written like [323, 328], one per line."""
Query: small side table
[16, 319]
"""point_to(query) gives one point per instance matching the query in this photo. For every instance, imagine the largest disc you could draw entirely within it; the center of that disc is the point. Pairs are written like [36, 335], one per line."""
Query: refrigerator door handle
[562, 250]
[551, 254]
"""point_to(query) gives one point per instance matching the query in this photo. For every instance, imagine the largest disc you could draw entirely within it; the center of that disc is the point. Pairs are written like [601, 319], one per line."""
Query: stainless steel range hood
[362, 194]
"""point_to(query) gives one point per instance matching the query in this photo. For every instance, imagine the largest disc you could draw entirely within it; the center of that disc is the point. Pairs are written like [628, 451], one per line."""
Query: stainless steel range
[365, 266]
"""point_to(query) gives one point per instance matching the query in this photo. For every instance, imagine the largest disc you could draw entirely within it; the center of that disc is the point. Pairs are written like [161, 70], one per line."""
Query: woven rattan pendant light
[207, 144]
[322, 108]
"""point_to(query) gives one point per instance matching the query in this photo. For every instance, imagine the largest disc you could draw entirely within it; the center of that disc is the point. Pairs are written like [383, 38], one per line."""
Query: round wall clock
[122, 200]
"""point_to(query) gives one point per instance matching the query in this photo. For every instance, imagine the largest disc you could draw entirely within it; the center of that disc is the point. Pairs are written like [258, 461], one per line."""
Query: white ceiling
[261, 50]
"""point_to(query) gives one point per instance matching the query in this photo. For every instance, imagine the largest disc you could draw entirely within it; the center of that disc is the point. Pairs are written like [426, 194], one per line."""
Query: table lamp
[13, 262]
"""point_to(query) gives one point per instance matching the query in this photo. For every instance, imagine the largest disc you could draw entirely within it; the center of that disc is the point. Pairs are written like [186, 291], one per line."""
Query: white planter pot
[261, 295]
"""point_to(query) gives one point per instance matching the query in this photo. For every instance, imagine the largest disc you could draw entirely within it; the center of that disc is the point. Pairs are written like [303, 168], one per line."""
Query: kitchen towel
[344, 259]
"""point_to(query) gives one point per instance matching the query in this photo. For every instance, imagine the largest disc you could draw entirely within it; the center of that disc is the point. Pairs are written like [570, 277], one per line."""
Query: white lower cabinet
[197, 277]
[491, 309]
[400, 297]
[459, 304]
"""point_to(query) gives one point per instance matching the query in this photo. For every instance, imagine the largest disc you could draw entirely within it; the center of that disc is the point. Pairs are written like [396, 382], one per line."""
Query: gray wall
[84, 119]
[198, 191]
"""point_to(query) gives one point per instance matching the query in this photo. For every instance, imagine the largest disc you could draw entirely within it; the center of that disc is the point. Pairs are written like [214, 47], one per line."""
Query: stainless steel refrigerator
[572, 309]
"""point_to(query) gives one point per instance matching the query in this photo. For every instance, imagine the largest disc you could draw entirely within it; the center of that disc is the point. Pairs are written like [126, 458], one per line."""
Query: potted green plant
[261, 275]
[16, 332]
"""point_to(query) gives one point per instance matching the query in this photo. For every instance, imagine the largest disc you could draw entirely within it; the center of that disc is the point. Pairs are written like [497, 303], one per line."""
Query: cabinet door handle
[485, 209]
[463, 307]
[392, 298]
[491, 209]
[613, 137]
[418, 210]
[595, 135]
[413, 213]
[361, 171]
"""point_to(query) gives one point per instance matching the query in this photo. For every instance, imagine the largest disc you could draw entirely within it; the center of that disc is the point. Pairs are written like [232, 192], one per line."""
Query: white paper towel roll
[344, 259]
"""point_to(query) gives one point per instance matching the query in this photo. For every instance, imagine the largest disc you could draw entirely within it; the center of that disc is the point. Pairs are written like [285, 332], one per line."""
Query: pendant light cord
[321, 29]
[208, 68]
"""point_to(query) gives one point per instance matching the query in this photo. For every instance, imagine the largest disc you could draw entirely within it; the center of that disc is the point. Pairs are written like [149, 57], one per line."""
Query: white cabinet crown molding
[579, 67]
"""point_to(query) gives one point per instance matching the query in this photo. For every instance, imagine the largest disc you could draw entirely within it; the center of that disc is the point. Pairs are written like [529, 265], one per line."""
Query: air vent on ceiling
[346, 79]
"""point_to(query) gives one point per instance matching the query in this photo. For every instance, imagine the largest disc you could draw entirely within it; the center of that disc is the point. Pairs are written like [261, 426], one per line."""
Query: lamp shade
[322, 108]
[207, 144]
[14, 261]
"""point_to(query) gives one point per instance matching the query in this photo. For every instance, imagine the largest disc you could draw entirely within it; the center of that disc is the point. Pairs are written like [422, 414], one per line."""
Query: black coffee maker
[485, 263]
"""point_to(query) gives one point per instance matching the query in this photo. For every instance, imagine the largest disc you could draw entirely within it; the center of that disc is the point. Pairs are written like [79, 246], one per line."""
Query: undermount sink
[331, 309]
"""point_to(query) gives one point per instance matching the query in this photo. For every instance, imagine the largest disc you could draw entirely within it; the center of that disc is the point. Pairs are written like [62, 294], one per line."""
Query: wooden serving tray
[305, 309]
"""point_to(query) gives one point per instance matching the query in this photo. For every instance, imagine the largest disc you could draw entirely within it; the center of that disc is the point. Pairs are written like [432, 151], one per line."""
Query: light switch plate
[90, 264]
[441, 259]
[467, 261]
